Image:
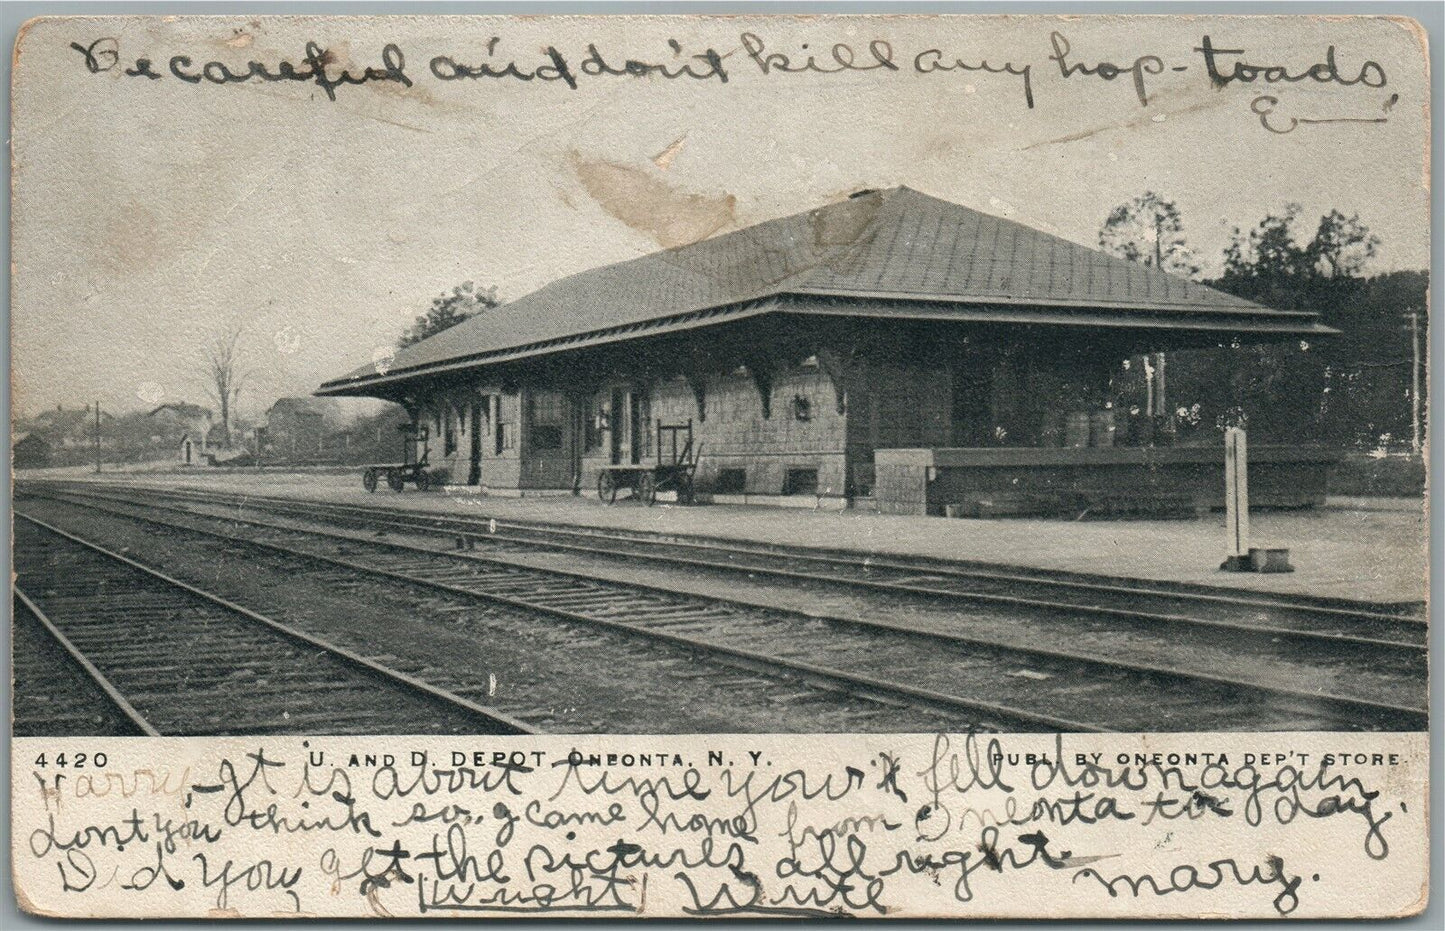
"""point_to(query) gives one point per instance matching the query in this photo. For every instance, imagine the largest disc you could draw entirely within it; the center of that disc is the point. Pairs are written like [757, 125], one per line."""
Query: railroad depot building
[892, 350]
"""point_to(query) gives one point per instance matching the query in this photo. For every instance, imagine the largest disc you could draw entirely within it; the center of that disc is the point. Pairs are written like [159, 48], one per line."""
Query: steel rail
[852, 683]
[478, 528]
[960, 569]
[1414, 716]
[916, 589]
[392, 677]
[98, 678]
[759, 605]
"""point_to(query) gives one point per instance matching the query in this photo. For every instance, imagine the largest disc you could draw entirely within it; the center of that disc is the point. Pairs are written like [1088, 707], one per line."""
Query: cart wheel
[684, 489]
[423, 480]
[394, 481]
[368, 480]
[606, 487]
[647, 488]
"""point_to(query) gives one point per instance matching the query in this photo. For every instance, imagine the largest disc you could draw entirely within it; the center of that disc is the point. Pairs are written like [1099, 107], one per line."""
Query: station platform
[1372, 551]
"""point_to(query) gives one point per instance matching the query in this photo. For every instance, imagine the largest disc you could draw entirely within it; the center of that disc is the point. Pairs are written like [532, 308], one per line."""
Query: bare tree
[224, 376]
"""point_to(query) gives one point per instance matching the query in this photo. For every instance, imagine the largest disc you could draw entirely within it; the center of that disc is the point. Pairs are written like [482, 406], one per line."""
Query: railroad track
[1251, 616]
[173, 659]
[1027, 686]
[58, 692]
[1389, 671]
[540, 690]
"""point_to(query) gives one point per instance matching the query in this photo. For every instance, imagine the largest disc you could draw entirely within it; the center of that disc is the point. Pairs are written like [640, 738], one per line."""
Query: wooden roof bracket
[698, 383]
[842, 369]
[763, 368]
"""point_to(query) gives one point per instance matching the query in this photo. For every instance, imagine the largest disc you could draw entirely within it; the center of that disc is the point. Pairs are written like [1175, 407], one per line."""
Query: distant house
[67, 428]
[216, 436]
[187, 427]
[294, 429]
[30, 451]
[177, 411]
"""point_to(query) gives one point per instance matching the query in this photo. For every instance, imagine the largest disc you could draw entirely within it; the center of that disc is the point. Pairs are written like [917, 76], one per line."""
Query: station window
[546, 436]
[801, 482]
[548, 407]
[598, 423]
[731, 481]
[548, 414]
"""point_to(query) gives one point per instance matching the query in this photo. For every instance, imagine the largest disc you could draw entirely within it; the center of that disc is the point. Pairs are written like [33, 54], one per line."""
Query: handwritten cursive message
[1060, 65]
[920, 825]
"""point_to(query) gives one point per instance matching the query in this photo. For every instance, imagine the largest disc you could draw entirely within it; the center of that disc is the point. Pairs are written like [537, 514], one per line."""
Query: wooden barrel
[1101, 428]
[1051, 429]
[1076, 429]
[1141, 430]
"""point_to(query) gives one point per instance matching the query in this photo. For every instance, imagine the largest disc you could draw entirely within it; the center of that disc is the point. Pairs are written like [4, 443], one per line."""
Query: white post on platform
[1415, 445]
[1161, 395]
[1148, 387]
[1236, 497]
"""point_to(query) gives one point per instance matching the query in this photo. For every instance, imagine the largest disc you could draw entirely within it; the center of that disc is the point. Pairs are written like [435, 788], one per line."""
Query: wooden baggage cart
[412, 468]
[672, 470]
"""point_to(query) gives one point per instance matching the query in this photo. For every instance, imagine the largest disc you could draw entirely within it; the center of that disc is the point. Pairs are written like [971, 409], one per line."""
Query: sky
[151, 215]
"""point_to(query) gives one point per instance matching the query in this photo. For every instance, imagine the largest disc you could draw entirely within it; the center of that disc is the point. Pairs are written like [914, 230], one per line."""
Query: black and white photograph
[620, 379]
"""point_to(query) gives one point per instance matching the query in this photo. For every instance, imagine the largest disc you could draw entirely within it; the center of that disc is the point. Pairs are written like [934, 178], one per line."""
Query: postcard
[699, 466]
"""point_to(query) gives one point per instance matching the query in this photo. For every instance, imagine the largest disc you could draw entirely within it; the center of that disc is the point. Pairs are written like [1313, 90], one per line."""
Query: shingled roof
[900, 251]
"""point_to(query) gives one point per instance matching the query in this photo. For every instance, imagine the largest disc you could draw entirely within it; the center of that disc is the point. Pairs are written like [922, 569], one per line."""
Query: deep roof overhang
[1182, 311]
[356, 384]
[1275, 323]
[1268, 325]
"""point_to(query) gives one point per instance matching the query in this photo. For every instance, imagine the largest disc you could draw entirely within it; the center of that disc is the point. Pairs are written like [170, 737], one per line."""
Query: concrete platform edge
[1185, 588]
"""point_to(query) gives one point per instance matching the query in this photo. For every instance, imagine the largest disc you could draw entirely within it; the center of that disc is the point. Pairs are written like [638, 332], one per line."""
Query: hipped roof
[895, 253]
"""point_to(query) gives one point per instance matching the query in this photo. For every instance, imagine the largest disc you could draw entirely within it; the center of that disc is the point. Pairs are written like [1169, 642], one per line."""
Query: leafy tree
[1149, 230]
[1274, 258]
[1343, 244]
[1270, 262]
[447, 310]
[1350, 389]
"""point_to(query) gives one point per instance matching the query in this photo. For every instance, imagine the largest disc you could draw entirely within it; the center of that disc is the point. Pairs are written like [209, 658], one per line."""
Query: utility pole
[1157, 402]
[97, 436]
[1415, 443]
